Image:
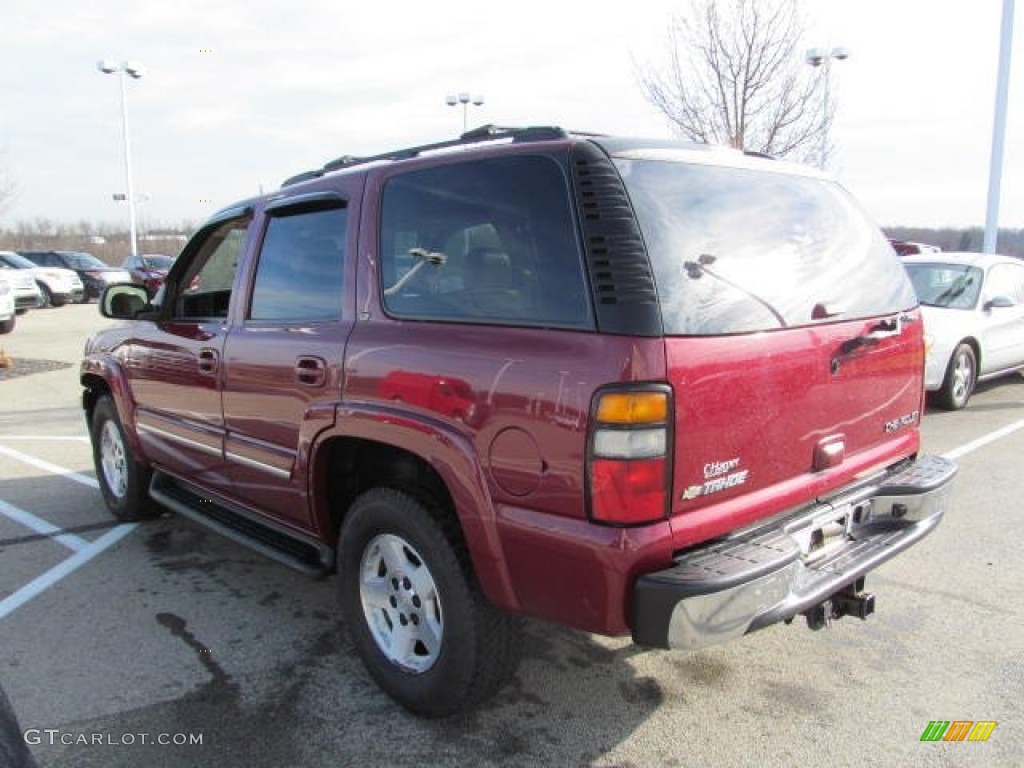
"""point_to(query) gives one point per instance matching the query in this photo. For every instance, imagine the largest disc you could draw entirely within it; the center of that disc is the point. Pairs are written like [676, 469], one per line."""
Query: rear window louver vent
[620, 272]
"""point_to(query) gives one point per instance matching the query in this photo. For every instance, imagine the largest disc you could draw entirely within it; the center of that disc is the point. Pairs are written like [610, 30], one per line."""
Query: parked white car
[973, 308]
[26, 291]
[57, 285]
[8, 316]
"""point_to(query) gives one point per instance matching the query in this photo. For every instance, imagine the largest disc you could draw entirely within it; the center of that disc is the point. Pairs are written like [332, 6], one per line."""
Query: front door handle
[311, 371]
[209, 361]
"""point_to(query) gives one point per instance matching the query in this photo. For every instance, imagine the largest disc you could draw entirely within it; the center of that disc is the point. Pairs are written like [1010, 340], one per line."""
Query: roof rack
[475, 136]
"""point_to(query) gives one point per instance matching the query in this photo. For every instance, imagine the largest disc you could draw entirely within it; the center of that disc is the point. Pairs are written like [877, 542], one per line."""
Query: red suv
[633, 387]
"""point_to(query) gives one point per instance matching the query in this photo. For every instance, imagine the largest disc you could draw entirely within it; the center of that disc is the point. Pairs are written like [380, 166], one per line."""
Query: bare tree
[8, 189]
[735, 76]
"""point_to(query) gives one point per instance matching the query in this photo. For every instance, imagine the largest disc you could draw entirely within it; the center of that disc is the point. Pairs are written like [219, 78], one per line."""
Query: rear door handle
[311, 371]
[209, 360]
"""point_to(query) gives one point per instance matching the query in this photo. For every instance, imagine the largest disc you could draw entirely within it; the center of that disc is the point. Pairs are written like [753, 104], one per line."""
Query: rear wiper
[697, 269]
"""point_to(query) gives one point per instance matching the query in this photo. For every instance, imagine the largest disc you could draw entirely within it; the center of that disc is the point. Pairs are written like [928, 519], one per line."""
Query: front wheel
[419, 621]
[123, 481]
[961, 376]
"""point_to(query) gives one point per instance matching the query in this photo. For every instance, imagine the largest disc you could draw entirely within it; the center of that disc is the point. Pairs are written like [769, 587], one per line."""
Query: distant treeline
[1010, 242]
[107, 241]
[110, 241]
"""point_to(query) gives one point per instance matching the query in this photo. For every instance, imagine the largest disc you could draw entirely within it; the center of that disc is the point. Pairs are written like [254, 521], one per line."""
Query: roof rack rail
[474, 136]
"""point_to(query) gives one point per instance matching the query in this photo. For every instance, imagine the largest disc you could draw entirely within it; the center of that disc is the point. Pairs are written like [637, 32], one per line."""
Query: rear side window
[487, 241]
[736, 250]
[301, 266]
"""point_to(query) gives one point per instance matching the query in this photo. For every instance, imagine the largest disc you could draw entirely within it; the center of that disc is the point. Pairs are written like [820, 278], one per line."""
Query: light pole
[465, 100]
[124, 69]
[820, 57]
[995, 170]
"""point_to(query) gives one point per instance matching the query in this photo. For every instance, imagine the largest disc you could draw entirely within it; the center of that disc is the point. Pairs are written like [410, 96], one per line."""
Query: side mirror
[124, 301]
[1000, 302]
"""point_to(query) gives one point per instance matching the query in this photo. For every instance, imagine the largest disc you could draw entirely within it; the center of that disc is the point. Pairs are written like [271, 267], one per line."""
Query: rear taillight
[628, 455]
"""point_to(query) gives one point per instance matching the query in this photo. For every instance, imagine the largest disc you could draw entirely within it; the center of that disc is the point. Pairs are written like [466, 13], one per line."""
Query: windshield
[84, 261]
[737, 250]
[953, 286]
[17, 261]
[157, 262]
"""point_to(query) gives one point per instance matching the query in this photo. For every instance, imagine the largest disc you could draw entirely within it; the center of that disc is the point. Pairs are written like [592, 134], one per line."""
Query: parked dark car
[95, 274]
[149, 270]
[655, 389]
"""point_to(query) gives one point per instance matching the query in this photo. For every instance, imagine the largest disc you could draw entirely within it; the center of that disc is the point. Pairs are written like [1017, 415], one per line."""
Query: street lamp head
[451, 100]
[840, 53]
[816, 57]
[478, 100]
[107, 67]
[132, 70]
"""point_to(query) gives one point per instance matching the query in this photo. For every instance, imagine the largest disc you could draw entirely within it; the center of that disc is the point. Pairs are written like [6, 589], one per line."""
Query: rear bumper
[730, 587]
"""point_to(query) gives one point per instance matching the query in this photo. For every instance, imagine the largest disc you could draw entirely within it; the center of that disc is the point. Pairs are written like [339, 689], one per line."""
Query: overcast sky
[237, 96]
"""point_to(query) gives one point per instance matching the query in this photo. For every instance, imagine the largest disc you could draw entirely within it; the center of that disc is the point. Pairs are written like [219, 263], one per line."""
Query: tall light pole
[465, 100]
[995, 171]
[123, 70]
[820, 57]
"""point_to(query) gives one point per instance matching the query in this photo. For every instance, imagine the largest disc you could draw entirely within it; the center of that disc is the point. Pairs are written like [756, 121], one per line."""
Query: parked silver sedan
[973, 307]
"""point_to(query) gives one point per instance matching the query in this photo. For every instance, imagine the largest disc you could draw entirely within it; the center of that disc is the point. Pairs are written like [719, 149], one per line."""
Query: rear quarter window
[736, 250]
[488, 241]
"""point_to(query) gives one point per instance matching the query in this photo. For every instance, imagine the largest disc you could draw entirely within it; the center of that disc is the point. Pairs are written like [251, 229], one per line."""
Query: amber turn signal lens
[633, 408]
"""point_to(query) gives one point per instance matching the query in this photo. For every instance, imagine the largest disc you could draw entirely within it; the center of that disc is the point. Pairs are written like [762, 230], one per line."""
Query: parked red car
[149, 269]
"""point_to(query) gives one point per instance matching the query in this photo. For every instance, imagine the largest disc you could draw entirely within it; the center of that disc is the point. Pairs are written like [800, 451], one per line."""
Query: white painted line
[41, 583]
[40, 464]
[44, 438]
[37, 524]
[984, 440]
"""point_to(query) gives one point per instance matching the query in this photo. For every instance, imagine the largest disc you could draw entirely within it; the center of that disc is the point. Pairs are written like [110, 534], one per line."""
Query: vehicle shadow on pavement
[254, 658]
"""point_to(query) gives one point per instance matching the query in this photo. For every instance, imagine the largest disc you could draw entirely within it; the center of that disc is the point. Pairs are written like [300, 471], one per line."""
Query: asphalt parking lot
[162, 644]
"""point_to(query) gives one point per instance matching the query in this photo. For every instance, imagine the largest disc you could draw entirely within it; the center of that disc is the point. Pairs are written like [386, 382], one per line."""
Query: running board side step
[304, 554]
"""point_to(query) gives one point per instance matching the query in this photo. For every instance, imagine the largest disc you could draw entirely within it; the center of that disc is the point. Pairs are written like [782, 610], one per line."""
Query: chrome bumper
[730, 587]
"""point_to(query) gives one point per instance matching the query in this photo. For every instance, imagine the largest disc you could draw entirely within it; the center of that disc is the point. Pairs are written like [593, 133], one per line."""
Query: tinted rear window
[736, 250]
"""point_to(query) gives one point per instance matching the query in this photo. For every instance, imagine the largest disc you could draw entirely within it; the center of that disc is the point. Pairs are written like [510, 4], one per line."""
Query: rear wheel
[961, 376]
[123, 481]
[419, 621]
[6, 326]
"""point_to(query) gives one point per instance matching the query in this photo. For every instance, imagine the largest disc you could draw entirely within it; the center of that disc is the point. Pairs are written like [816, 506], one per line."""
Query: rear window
[736, 250]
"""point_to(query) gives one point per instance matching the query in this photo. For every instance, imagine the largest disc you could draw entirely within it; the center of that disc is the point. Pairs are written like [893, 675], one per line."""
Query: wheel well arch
[348, 466]
[95, 387]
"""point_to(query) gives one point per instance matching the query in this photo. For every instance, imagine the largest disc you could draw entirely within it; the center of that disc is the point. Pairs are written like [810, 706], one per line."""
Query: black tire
[393, 547]
[123, 481]
[6, 326]
[961, 377]
[47, 296]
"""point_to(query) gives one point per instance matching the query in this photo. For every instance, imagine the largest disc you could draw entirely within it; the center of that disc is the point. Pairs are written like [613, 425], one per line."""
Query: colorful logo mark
[958, 730]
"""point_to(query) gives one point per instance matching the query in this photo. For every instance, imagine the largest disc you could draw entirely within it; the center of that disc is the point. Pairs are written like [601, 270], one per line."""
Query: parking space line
[40, 464]
[43, 582]
[37, 524]
[48, 438]
[984, 440]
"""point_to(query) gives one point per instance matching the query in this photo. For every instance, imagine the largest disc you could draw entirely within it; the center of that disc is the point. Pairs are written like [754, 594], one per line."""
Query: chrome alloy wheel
[113, 460]
[963, 376]
[401, 603]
